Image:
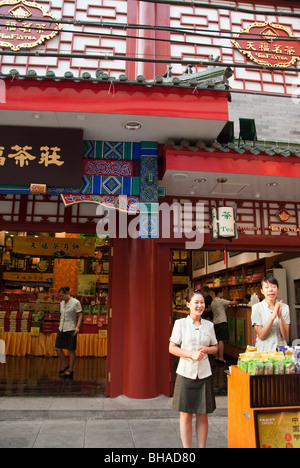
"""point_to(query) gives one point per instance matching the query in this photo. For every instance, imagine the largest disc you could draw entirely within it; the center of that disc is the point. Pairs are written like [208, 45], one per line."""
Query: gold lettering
[11, 26]
[26, 27]
[2, 158]
[264, 47]
[289, 50]
[22, 156]
[250, 45]
[47, 158]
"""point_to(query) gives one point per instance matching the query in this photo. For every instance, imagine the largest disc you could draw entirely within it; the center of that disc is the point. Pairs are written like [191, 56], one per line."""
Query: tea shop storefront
[140, 279]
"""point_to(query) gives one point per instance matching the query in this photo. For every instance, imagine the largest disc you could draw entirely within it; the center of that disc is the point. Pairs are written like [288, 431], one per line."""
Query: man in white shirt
[218, 307]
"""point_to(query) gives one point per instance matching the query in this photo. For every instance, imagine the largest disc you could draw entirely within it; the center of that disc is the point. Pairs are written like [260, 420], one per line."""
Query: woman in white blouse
[270, 318]
[66, 338]
[192, 340]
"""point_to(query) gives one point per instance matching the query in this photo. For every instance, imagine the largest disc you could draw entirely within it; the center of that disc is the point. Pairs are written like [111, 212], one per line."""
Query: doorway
[239, 275]
[30, 315]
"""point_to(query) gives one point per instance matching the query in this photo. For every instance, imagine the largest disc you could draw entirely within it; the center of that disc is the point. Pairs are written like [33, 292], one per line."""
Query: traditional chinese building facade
[147, 88]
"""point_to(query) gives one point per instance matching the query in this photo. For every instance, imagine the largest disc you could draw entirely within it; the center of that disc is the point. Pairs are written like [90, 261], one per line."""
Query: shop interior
[29, 314]
[239, 275]
[29, 308]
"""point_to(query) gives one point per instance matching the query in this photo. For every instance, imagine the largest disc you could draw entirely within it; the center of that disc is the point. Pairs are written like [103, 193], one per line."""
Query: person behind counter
[218, 306]
[192, 339]
[270, 318]
[70, 321]
[207, 314]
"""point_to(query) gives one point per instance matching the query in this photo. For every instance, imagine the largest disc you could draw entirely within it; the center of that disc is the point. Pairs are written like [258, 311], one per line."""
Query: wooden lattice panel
[78, 39]
[203, 20]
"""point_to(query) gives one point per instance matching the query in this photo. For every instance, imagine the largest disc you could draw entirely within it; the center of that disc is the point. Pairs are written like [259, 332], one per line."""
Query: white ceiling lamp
[179, 176]
[132, 125]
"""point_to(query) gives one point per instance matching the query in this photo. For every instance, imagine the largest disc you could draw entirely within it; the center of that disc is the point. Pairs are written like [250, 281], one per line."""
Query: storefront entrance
[140, 286]
[239, 276]
[31, 275]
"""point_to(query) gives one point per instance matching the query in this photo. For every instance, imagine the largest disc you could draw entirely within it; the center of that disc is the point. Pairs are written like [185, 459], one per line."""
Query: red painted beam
[232, 163]
[109, 98]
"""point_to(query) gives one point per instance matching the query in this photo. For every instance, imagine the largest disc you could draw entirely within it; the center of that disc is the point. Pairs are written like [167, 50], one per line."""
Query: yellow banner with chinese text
[58, 247]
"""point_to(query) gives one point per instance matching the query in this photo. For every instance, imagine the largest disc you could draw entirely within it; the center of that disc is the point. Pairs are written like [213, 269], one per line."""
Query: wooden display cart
[263, 411]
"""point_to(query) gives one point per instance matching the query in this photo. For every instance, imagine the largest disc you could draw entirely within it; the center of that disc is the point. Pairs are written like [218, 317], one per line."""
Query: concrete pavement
[124, 423]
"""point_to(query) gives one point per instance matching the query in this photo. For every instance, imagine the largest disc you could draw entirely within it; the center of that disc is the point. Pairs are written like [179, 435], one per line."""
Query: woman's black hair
[270, 280]
[64, 290]
[192, 294]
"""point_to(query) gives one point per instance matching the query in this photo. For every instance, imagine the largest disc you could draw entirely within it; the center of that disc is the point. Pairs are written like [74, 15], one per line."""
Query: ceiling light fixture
[179, 176]
[132, 125]
[272, 184]
[37, 116]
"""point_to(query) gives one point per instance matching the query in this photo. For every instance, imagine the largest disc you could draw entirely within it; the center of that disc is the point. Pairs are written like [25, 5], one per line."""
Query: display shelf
[181, 265]
[236, 282]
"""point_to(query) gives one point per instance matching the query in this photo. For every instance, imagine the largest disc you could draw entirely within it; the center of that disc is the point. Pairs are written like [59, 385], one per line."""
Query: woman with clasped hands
[192, 340]
[270, 318]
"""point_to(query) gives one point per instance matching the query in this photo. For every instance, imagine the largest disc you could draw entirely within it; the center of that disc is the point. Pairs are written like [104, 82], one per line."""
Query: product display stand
[263, 411]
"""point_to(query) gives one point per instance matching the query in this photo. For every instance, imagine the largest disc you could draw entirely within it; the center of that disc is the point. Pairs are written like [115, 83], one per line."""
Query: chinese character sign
[51, 156]
[279, 429]
[24, 25]
[268, 44]
[57, 247]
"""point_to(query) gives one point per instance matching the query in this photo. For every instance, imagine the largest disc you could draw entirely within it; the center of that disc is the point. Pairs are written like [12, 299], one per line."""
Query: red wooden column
[139, 330]
[140, 340]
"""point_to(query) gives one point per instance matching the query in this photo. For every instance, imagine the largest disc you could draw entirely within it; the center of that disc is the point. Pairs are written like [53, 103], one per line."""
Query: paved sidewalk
[99, 423]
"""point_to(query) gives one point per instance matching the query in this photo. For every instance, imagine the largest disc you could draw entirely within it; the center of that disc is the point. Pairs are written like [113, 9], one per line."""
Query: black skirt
[66, 340]
[194, 396]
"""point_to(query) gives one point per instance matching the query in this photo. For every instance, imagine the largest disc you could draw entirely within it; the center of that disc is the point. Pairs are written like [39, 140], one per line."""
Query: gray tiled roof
[260, 148]
[211, 78]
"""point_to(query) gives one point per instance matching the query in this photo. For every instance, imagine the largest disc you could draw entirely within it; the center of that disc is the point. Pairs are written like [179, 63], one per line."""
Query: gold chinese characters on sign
[51, 156]
[58, 247]
[268, 44]
[23, 157]
[25, 24]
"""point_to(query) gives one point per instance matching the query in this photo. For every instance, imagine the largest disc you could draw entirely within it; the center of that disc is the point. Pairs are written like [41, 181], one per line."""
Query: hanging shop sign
[28, 277]
[268, 44]
[58, 247]
[223, 223]
[25, 24]
[51, 156]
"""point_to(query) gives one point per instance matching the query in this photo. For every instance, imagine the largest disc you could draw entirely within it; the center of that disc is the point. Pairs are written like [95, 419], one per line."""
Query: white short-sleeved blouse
[69, 311]
[190, 337]
[261, 313]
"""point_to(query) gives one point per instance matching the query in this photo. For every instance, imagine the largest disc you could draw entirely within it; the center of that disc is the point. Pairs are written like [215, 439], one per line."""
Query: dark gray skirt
[193, 396]
[66, 340]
